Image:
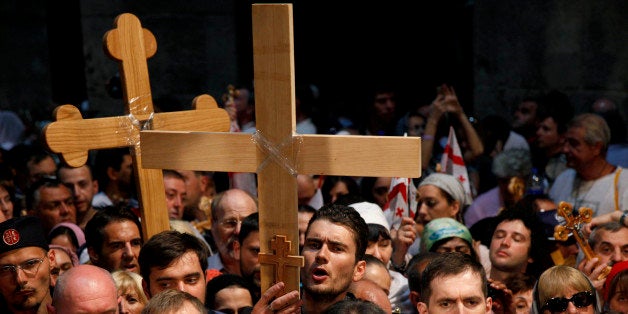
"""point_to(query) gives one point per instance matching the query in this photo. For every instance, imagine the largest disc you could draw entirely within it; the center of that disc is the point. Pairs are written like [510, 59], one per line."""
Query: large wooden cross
[275, 151]
[72, 137]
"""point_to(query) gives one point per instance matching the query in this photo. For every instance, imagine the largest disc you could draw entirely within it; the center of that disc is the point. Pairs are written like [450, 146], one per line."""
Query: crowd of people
[73, 239]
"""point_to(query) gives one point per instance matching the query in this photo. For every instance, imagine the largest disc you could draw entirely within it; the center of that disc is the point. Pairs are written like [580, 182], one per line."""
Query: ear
[95, 186]
[415, 298]
[93, 257]
[146, 288]
[499, 147]
[52, 258]
[236, 249]
[598, 147]
[422, 308]
[359, 270]
[112, 173]
[51, 309]
[204, 180]
[489, 305]
[455, 209]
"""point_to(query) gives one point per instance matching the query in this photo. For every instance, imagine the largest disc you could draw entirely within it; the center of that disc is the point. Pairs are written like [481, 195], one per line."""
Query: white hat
[371, 213]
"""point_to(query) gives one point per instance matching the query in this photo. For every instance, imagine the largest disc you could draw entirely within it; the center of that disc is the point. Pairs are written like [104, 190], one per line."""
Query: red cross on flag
[397, 207]
[453, 163]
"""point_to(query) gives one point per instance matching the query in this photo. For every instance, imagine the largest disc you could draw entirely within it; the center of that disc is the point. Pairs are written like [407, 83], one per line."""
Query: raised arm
[476, 148]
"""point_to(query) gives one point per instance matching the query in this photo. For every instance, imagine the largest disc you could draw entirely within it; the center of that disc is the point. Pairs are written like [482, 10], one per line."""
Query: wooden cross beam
[72, 137]
[275, 152]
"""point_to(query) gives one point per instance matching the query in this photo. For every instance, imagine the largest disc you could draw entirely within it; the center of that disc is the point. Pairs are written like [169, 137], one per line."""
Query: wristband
[427, 137]
[399, 268]
[622, 219]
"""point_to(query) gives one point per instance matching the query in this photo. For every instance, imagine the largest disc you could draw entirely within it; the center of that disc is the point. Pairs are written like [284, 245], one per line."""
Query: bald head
[85, 289]
[378, 273]
[370, 291]
[233, 200]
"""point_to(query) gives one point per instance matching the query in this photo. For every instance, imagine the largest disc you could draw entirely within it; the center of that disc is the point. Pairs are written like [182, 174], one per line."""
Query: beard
[326, 293]
[26, 303]
[252, 277]
[226, 250]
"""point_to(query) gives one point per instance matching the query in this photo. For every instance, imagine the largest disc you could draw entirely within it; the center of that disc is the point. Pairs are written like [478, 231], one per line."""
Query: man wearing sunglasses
[25, 262]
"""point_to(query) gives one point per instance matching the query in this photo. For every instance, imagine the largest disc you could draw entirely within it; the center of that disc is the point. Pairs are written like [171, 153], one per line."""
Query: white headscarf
[447, 183]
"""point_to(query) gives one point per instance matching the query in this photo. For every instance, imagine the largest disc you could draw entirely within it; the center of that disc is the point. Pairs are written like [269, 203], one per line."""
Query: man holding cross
[175, 260]
[609, 242]
[335, 244]
[275, 152]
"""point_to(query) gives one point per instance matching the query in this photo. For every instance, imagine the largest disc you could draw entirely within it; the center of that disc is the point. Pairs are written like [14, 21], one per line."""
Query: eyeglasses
[230, 223]
[580, 299]
[29, 267]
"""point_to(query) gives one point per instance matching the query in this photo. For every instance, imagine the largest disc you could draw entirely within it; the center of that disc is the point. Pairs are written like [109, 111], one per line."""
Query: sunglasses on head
[580, 299]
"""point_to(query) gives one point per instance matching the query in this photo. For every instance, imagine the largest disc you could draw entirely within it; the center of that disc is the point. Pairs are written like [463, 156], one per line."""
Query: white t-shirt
[598, 194]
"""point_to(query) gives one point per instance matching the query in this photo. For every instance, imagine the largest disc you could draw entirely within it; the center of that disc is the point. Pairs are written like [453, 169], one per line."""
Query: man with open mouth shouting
[335, 244]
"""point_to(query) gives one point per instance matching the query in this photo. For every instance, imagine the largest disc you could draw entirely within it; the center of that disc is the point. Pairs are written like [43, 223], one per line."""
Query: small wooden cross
[72, 137]
[572, 225]
[275, 151]
[281, 257]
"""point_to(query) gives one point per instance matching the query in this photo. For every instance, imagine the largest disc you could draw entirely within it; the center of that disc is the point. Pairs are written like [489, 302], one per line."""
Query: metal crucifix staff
[573, 225]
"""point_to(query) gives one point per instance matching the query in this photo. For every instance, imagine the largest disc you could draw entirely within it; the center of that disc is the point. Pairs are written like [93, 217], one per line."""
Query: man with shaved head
[368, 290]
[85, 289]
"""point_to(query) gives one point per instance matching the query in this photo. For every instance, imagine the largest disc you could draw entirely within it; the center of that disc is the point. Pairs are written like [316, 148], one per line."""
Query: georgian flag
[397, 207]
[453, 163]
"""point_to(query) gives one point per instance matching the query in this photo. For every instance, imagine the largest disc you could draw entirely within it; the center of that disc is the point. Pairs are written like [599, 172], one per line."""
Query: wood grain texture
[273, 61]
[273, 57]
[72, 137]
[343, 155]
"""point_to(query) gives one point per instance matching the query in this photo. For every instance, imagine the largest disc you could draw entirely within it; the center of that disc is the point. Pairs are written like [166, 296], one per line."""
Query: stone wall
[523, 48]
[196, 49]
[493, 51]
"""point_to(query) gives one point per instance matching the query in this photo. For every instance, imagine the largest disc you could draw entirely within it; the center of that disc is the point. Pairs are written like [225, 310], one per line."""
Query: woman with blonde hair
[129, 285]
[564, 289]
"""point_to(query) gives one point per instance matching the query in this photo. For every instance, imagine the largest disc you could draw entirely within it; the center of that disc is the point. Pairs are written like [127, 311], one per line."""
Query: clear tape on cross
[136, 121]
[274, 152]
[131, 126]
[141, 104]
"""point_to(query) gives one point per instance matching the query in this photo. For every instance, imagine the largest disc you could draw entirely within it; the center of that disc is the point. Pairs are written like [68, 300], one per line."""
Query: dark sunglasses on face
[580, 299]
